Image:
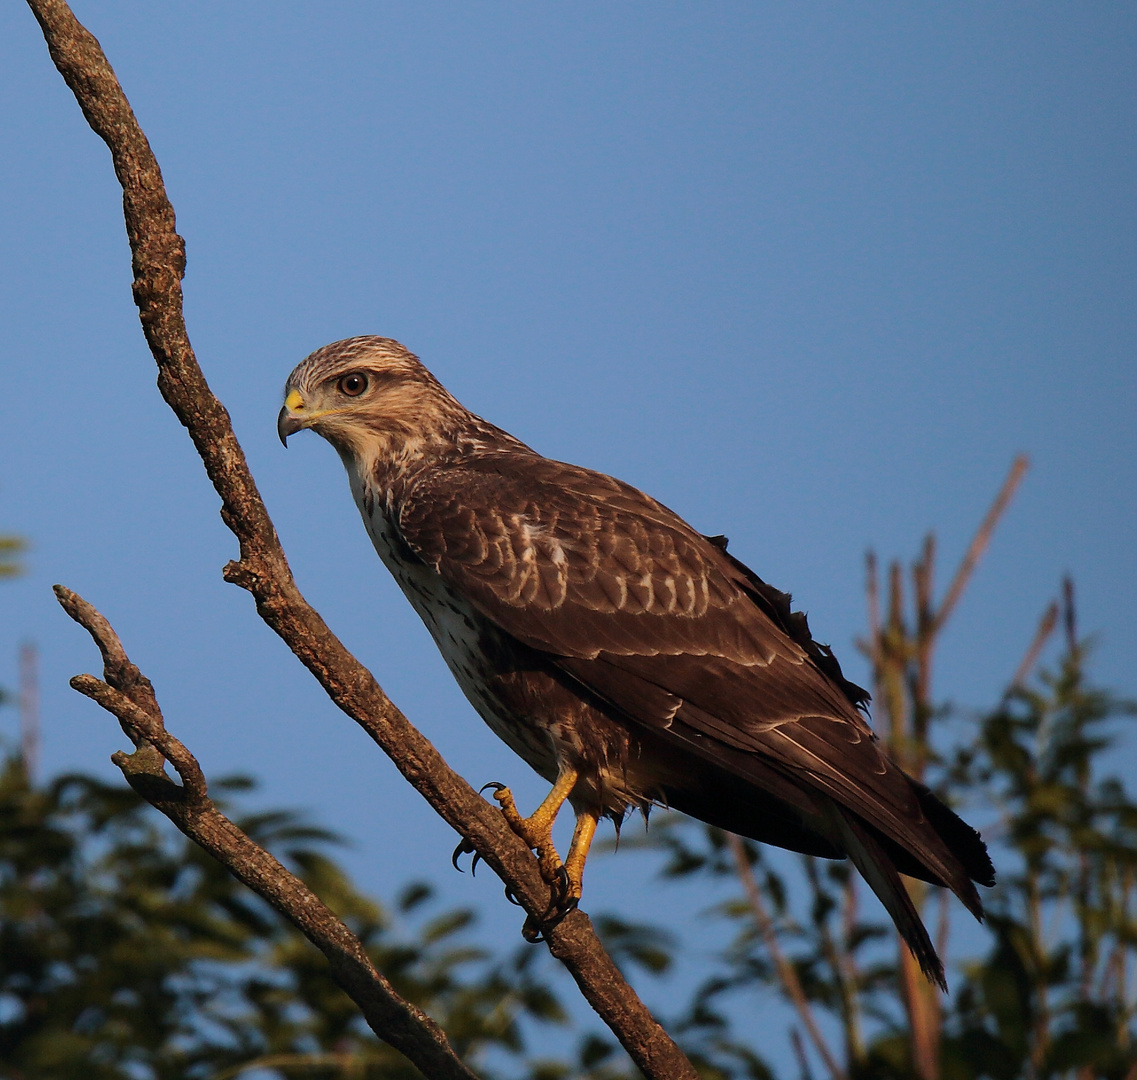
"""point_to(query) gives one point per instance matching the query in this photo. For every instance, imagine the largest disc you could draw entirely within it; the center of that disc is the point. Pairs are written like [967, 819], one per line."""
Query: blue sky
[811, 274]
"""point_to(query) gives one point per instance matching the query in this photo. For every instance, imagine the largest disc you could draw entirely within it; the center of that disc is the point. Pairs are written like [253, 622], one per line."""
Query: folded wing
[679, 637]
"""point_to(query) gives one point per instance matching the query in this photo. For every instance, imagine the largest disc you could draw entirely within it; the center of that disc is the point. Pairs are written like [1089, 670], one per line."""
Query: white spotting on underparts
[458, 630]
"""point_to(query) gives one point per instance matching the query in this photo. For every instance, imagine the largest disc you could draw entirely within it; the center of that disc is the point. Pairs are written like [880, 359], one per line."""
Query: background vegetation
[128, 953]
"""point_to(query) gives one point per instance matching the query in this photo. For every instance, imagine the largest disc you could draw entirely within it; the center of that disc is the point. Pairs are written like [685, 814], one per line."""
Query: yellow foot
[536, 831]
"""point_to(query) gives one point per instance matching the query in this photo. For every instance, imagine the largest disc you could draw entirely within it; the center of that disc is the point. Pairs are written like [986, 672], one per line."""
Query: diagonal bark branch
[158, 259]
[188, 806]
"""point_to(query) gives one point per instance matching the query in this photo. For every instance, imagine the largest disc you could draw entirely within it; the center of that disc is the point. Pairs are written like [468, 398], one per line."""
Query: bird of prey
[629, 659]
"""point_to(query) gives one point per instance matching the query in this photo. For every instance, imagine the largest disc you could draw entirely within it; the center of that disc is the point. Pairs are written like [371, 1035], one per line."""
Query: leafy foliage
[1052, 990]
[11, 548]
[1054, 993]
[128, 952]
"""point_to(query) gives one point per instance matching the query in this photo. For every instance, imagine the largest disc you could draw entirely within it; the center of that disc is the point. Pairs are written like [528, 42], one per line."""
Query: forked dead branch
[158, 263]
[128, 694]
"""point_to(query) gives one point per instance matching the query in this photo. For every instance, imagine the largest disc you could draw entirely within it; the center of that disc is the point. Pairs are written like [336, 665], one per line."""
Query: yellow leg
[537, 829]
[578, 851]
[564, 879]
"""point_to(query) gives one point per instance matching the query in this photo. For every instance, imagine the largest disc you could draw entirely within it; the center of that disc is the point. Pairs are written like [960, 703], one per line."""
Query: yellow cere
[294, 400]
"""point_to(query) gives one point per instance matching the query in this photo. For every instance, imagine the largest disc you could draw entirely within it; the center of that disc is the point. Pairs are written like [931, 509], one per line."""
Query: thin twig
[894, 656]
[158, 258]
[799, 1053]
[1042, 634]
[790, 981]
[943, 927]
[922, 578]
[404, 1026]
[849, 973]
[872, 588]
[1069, 615]
[902, 676]
[980, 541]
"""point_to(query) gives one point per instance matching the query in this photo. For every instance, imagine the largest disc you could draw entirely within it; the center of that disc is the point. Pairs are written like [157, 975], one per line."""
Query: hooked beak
[287, 422]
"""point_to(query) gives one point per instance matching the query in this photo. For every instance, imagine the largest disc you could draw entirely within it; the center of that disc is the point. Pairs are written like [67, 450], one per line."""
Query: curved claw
[535, 931]
[511, 898]
[562, 901]
[464, 848]
[562, 892]
[492, 784]
[563, 910]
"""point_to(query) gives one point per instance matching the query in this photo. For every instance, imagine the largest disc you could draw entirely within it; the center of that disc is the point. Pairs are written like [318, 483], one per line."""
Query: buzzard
[629, 659]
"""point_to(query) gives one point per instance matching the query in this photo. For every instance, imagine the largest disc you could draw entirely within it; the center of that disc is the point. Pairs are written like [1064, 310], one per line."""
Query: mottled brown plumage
[617, 649]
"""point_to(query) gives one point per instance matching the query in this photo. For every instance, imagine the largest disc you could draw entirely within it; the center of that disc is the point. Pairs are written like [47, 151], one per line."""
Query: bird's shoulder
[577, 561]
[545, 534]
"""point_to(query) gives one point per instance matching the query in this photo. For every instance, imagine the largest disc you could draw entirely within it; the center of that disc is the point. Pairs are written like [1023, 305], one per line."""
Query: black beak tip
[286, 425]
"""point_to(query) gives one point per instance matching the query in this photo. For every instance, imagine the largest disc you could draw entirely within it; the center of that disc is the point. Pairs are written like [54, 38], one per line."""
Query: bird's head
[369, 397]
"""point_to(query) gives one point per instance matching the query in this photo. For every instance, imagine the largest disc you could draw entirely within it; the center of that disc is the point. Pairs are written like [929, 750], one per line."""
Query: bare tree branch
[1069, 615]
[158, 256]
[1041, 636]
[872, 589]
[980, 541]
[902, 659]
[188, 806]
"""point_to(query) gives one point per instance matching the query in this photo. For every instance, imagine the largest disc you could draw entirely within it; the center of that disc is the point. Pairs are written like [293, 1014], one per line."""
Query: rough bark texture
[158, 256]
[127, 693]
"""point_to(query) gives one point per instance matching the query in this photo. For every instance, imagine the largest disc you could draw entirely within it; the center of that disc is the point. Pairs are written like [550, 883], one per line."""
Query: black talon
[555, 918]
[561, 904]
[511, 898]
[463, 848]
[474, 864]
[492, 784]
[560, 893]
[559, 908]
[535, 931]
[554, 913]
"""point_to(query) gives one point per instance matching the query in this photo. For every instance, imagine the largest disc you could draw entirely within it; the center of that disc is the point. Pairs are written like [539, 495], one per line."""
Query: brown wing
[658, 620]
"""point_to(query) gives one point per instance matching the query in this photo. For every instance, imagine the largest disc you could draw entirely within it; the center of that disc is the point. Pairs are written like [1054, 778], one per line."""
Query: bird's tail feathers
[943, 850]
[964, 843]
[878, 870]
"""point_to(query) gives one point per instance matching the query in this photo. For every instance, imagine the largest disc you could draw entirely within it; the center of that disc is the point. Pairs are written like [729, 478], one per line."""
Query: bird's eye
[354, 384]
